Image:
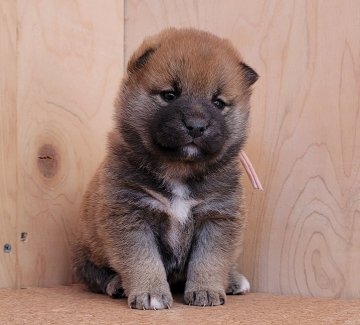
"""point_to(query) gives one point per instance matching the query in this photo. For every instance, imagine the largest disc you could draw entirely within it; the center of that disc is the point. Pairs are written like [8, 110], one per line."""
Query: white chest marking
[180, 204]
[178, 207]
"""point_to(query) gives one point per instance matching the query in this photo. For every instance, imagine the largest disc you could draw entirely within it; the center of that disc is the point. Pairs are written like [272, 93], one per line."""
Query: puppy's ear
[136, 63]
[250, 74]
[141, 56]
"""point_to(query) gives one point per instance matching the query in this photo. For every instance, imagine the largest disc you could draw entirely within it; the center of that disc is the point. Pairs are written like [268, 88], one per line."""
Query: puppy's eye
[168, 95]
[218, 103]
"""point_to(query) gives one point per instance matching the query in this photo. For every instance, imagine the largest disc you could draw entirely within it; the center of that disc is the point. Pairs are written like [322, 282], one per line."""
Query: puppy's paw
[114, 288]
[238, 284]
[151, 300]
[205, 298]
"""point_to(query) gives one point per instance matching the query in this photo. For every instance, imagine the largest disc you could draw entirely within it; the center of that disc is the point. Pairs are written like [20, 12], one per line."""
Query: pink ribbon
[250, 171]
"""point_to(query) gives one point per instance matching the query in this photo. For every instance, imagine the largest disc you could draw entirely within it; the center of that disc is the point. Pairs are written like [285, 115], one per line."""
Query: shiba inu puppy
[165, 208]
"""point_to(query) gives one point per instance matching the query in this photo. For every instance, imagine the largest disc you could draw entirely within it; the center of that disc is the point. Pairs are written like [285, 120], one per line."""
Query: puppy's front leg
[134, 255]
[210, 262]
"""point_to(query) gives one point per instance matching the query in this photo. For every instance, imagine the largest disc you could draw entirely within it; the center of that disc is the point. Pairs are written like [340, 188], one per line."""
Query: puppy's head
[185, 98]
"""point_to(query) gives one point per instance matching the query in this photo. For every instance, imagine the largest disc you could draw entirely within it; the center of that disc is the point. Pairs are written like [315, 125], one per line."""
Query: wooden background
[60, 66]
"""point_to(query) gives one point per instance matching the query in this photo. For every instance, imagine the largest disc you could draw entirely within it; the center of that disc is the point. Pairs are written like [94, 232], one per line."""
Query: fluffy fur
[164, 209]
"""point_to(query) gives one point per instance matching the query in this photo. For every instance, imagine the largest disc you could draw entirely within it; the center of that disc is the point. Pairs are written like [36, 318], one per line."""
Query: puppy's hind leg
[97, 279]
[114, 288]
[238, 283]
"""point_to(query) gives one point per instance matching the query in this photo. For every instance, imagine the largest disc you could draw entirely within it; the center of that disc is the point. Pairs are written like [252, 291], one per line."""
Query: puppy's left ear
[250, 74]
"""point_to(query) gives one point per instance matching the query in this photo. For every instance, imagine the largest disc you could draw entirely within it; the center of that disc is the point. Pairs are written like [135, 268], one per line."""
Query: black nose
[196, 126]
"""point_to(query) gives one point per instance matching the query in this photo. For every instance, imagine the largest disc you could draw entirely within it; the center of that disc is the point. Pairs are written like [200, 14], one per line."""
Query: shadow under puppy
[165, 206]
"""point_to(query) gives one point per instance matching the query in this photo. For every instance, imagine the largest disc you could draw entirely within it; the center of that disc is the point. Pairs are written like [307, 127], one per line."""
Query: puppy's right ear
[141, 56]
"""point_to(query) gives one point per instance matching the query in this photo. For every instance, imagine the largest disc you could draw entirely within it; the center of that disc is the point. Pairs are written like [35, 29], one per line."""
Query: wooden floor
[74, 305]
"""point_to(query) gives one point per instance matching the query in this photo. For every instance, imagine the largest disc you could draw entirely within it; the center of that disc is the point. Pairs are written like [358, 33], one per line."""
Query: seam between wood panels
[17, 264]
[124, 35]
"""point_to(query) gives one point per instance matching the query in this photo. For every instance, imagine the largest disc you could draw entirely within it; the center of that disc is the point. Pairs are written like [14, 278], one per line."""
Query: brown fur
[165, 206]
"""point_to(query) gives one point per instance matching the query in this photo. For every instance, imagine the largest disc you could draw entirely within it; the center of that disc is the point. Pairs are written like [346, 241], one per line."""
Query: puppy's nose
[196, 126]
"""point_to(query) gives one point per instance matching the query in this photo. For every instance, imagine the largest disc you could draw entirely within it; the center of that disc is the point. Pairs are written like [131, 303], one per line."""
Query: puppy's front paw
[204, 298]
[151, 300]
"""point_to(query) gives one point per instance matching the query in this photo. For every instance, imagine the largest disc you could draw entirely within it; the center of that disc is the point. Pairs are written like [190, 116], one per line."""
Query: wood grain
[8, 142]
[304, 230]
[70, 59]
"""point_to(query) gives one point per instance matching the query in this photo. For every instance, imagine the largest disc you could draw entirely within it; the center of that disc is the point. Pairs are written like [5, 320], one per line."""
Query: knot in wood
[48, 160]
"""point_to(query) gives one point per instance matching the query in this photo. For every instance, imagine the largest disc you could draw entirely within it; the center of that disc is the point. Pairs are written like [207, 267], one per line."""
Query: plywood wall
[55, 113]
[304, 230]
[70, 57]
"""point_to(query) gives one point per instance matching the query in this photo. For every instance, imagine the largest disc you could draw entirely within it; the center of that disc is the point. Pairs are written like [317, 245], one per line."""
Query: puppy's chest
[181, 203]
[177, 207]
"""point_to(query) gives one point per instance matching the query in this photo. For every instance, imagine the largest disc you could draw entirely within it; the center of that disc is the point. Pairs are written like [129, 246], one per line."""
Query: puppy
[165, 208]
